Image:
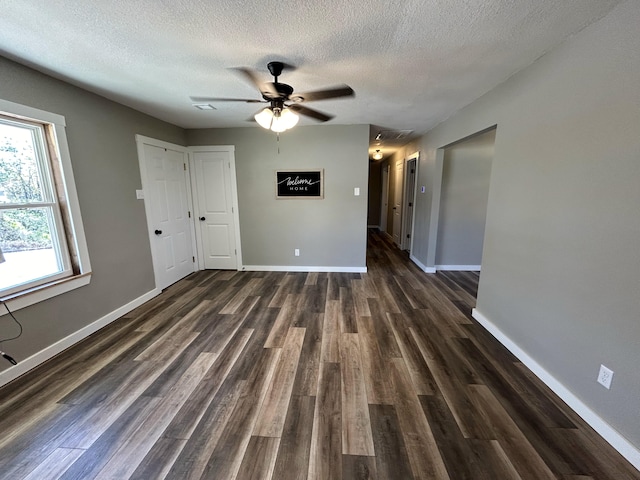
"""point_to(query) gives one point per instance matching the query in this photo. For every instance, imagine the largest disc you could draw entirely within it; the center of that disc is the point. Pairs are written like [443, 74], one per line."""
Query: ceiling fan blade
[265, 88]
[335, 92]
[216, 99]
[323, 117]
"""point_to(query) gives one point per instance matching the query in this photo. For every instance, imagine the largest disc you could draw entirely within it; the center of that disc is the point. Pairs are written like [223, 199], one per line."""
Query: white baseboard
[52, 350]
[292, 268]
[421, 265]
[606, 431]
[459, 268]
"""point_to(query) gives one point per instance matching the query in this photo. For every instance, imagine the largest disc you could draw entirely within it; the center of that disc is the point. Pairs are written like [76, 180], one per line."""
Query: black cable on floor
[6, 355]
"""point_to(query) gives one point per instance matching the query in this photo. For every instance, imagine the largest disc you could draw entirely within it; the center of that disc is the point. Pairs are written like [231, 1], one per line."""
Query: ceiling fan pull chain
[278, 141]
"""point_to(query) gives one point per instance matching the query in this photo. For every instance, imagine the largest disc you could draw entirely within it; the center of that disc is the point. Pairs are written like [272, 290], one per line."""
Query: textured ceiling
[412, 63]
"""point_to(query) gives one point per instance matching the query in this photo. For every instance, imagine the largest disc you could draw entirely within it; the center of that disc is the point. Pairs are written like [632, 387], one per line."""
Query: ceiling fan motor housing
[275, 68]
[283, 89]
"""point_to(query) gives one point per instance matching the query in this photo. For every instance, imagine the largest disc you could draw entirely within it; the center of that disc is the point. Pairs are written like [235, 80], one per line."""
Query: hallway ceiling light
[377, 155]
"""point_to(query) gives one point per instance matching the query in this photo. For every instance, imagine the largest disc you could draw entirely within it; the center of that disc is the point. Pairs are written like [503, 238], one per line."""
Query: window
[31, 229]
[42, 244]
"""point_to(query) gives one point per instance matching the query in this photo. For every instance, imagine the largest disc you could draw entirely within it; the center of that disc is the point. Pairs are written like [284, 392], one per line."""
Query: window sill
[34, 295]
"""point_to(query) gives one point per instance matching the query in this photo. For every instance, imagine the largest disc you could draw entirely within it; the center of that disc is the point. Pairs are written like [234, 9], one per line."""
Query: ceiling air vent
[393, 135]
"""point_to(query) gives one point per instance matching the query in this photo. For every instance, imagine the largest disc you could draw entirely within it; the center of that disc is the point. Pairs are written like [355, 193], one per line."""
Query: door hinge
[184, 166]
[189, 214]
[193, 259]
[410, 204]
[408, 235]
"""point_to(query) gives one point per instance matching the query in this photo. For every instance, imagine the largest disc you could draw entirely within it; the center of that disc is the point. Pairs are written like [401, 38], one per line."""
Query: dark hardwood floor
[262, 375]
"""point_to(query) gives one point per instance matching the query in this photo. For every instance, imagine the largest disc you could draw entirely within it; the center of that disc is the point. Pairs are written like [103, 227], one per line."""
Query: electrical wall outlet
[296, 252]
[605, 376]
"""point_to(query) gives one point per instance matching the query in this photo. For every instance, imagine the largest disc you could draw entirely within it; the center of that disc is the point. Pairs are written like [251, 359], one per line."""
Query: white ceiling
[412, 63]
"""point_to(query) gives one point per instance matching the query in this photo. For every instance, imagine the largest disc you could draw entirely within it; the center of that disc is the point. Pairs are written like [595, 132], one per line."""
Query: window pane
[27, 246]
[20, 177]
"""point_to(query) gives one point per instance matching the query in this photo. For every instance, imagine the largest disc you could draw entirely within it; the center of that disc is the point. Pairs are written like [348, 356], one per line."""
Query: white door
[384, 209]
[397, 204]
[216, 214]
[165, 187]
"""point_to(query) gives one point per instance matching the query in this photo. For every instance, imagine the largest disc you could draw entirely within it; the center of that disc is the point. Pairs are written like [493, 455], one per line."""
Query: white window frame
[65, 191]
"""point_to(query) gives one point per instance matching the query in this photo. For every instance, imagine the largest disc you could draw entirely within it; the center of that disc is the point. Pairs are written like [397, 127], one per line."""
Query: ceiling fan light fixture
[276, 119]
[278, 125]
[377, 155]
[264, 118]
[288, 118]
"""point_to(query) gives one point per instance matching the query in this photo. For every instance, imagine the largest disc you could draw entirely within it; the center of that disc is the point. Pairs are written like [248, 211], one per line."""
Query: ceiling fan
[284, 104]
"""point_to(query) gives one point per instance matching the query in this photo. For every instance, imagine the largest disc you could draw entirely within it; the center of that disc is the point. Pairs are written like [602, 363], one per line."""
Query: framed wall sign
[300, 184]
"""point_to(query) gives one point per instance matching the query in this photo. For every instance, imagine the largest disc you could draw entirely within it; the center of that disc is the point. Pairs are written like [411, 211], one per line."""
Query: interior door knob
[202, 219]
[158, 232]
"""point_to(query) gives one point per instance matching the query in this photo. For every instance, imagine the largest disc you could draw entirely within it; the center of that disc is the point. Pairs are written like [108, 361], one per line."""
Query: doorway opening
[466, 173]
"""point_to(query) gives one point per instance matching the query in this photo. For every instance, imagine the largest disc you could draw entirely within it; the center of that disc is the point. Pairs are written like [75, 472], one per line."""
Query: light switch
[356, 191]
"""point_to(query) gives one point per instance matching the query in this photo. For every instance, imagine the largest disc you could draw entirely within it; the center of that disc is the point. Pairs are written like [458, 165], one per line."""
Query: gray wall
[330, 232]
[561, 263]
[463, 200]
[105, 165]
